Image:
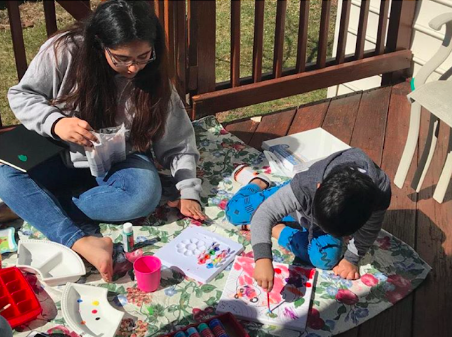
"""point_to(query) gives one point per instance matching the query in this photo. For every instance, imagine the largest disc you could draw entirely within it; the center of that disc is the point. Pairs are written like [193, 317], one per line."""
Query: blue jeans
[324, 251]
[131, 189]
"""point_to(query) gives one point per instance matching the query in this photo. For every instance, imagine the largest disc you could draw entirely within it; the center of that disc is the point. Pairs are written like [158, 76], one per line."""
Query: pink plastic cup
[147, 273]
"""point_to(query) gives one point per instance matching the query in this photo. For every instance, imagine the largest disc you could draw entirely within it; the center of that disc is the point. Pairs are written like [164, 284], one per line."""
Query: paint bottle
[180, 334]
[217, 328]
[127, 237]
[192, 332]
[205, 331]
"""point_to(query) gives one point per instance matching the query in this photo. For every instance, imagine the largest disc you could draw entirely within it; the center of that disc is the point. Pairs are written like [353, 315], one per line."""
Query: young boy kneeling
[346, 194]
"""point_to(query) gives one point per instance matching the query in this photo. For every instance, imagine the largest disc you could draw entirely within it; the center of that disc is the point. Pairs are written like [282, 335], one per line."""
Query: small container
[17, 292]
[227, 321]
[127, 237]
[192, 332]
[205, 331]
[217, 328]
[148, 273]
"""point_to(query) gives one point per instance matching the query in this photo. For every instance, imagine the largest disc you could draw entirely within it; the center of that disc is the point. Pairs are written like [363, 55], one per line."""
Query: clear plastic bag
[111, 149]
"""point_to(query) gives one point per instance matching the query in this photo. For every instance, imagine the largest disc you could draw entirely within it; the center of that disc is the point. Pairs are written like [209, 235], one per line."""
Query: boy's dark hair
[344, 201]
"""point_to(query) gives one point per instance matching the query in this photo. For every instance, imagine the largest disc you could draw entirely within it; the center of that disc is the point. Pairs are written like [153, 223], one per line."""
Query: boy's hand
[264, 274]
[346, 270]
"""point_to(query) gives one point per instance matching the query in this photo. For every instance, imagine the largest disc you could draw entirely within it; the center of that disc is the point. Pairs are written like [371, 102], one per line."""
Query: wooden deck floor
[377, 121]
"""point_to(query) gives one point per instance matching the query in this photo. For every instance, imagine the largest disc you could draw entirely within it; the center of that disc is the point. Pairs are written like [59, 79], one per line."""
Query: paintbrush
[5, 307]
[145, 243]
[268, 302]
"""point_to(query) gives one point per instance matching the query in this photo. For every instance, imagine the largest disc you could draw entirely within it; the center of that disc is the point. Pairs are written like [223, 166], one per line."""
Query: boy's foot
[98, 252]
[277, 229]
[244, 175]
[259, 182]
[6, 214]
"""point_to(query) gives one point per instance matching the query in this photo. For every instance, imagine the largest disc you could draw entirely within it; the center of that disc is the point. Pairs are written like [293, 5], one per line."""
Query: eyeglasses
[117, 63]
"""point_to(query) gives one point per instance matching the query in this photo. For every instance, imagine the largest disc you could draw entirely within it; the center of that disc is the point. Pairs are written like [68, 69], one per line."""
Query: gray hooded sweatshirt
[297, 198]
[46, 79]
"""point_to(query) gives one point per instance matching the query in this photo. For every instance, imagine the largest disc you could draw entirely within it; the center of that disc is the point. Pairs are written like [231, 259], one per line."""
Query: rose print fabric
[391, 270]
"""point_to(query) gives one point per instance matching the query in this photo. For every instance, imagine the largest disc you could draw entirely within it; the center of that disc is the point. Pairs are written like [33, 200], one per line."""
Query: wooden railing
[191, 36]
[391, 56]
[78, 9]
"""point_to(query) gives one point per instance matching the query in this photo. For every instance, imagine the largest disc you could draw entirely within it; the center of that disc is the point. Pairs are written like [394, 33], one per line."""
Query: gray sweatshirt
[297, 197]
[46, 79]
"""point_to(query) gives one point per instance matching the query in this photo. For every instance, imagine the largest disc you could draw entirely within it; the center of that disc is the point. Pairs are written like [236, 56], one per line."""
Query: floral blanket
[390, 271]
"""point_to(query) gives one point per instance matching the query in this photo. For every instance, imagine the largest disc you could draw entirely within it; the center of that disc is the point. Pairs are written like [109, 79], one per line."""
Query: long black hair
[115, 23]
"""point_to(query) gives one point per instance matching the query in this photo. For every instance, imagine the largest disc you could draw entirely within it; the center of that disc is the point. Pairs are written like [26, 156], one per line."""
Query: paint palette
[54, 263]
[16, 293]
[201, 254]
[88, 312]
[7, 241]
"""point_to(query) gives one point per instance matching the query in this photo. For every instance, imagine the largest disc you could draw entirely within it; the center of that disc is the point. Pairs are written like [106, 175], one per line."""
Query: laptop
[24, 149]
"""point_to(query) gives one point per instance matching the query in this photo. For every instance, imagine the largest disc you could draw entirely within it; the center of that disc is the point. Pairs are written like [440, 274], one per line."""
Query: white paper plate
[87, 311]
[56, 264]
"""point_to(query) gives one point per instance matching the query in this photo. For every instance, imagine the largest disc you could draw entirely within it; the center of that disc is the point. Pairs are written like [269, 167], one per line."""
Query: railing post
[17, 37]
[202, 38]
[172, 16]
[400, 31]
[50, 17]
[180, 41]
[78, 9]
[169, 23]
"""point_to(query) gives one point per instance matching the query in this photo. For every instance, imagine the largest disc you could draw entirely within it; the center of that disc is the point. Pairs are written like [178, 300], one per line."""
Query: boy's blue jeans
[324, 251]
[131, 189]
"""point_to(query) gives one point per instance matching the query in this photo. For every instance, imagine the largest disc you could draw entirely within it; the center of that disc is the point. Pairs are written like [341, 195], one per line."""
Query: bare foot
[277, 229]
[6, 214]
[259, 182]
[98, 252]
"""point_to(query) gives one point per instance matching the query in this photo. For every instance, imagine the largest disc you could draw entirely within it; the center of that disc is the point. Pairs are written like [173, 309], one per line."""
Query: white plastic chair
[436, 97]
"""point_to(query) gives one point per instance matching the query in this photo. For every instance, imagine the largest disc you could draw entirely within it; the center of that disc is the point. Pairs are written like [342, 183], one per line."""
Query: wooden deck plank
[366, 115]
[358, 119]
[370, 125]
[400, 219]
[244, 130]
[309, 116]
[341, 116]
[272, 126]
[433, 300]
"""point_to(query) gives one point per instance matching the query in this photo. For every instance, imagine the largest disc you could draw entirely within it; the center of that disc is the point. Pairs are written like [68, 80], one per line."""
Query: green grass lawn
[32, 15]
[246, 49]
[34, 35]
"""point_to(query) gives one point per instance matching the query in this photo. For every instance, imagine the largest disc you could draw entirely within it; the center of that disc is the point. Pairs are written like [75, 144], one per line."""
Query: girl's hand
[192, 209]
[75, 130]
[264, 274]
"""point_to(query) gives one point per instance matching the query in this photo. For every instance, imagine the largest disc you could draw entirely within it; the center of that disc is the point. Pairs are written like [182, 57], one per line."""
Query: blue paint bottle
[192, 332]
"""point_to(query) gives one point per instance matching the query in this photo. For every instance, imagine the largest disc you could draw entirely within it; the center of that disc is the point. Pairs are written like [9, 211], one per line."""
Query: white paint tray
[54, 263]
[181, 253]
[87, 311]
[307, 147]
